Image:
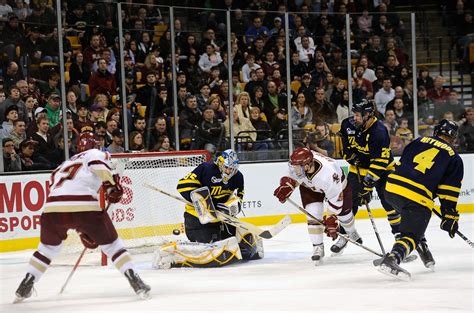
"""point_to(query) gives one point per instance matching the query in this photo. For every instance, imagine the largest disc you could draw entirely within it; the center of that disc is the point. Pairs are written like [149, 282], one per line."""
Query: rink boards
[22, 198]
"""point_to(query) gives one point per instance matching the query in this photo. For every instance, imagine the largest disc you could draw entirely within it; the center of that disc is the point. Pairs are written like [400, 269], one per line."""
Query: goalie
[209, 187]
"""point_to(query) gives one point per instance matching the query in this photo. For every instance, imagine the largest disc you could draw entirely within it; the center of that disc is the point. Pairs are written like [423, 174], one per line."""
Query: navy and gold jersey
[208, 174]
[428, 168]
[371, 147]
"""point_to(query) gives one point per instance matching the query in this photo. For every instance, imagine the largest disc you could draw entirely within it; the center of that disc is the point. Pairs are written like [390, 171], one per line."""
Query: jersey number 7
[425, 159]
[69, 171]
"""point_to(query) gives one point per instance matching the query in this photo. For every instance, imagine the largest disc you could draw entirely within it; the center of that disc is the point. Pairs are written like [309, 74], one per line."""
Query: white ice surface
[285, 280]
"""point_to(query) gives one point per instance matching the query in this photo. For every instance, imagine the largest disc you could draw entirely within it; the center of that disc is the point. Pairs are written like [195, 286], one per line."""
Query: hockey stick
[73, 270]
[296, 205]
[234, 221]
[470, 243]
[371, 217]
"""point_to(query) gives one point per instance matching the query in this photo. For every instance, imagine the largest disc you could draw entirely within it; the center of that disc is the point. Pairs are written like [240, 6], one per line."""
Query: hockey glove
[284, 191]
[450, 220]
[365, 195]
[113, 193]
[232, 206]
[331, 226]
[88, 242]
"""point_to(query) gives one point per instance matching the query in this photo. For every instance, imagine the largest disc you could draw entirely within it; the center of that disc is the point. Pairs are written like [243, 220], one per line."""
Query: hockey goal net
[144, 218]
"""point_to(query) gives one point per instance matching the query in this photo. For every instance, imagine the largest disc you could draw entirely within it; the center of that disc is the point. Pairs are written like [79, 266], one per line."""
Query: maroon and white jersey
[328, 178]
[76, 182]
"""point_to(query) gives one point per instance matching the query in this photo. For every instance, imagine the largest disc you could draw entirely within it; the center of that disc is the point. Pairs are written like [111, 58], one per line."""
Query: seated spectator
[57, 156]
[342, 109]
[79, 72]
[209, 59]
[401, 112]
[323, 109]
[11, 160]
[32, 127]
[203, 96]
[117, 142]
[115, 114]
[83, 117]
[301, 113]
[92, 53]
[96, 113]
[14, 99]
[214, 80]
[466, 132]
[157, 129]
[163, 144]
[263, 128]
[102, 81]
[255, 31]
[136, 142]
[273, 100]
[109, 58]
[400, 94]
[384, 95]
[219, 111]
[426, 107]
[242, 105]
[210, 131]
[369, 73]
[12, 35]
[297, 68]
[31, 161]
[53, 109]
[139, 125]
[257, 98]
[424, 78]
[244, 132]
[11, 115]
[189, 119]
[11, 75]
[438, 93]
[23, 87]
[32, 46]
[18, 133]
[404, 132]
[279, 124]
[318, 140]
[319, 73]
[306, 51]
[270, 65]
[307, 87]
[390, 122]
[45, 144]
[453, 105]
[362, 88]
[51, 86]
[248, 67]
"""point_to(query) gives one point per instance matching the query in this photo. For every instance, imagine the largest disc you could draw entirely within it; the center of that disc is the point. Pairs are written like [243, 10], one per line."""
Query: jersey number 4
[425, 159]
[68, 172]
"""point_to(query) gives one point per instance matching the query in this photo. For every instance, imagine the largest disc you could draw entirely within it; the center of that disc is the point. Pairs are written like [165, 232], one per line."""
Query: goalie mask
[228, 163]
[299, 159]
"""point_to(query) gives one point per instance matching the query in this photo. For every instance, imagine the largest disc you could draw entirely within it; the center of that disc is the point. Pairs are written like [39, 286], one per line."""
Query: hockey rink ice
[285, 280]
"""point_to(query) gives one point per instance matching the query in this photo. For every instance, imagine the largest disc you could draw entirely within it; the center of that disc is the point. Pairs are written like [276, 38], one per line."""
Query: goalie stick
[234, 221]
[296, 205]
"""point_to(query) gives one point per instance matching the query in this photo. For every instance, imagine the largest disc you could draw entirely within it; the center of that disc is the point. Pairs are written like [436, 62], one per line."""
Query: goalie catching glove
[331, 226]
[113, 193]
[286, 188]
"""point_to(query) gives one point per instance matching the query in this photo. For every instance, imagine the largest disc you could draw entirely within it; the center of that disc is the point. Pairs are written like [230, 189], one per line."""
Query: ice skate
[25, 289]
[318, 254]
[425, 254]
[390, 267]
[341, 243]
[140, 288]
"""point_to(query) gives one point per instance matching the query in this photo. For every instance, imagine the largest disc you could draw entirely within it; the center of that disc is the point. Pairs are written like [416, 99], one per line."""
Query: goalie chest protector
[208, 174]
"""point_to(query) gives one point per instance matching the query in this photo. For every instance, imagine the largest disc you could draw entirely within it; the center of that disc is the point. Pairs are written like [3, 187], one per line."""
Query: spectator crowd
[31, 115]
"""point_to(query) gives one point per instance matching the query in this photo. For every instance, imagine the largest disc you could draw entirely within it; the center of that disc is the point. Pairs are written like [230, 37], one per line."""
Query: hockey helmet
[298, 159]
[365, 106]
[301, 156]
[446, 128]
[87, 141]
[228, 163]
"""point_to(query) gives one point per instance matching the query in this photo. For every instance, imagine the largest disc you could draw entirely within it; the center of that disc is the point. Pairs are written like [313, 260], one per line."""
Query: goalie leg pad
[194, 254]
[250, 245]
[203, 205]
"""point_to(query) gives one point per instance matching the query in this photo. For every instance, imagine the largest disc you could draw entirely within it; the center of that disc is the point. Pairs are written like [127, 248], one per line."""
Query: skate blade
[400, 276]
[410, 258]
[18, 300]
[336, 254]
[144, 295]
[430, 266]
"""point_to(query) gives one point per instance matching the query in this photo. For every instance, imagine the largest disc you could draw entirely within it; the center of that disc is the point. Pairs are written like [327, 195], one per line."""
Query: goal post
[145, 218]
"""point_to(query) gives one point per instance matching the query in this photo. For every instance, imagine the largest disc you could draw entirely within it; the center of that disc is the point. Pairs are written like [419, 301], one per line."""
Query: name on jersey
[438, 144]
